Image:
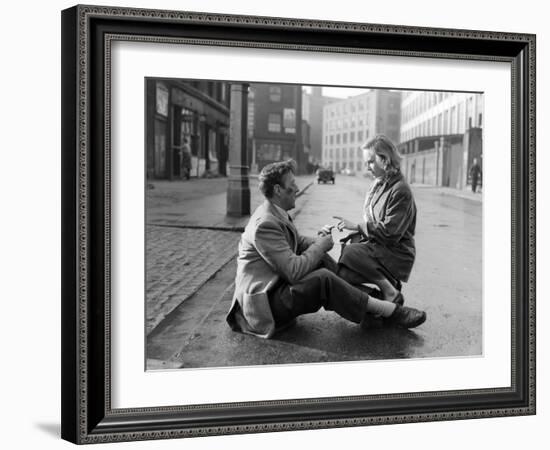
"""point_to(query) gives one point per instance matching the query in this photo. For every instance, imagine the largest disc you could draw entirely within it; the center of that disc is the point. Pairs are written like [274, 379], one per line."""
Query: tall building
[350, 122]
[428, 113]
[186, 120]
[275, 125]
[312, 112]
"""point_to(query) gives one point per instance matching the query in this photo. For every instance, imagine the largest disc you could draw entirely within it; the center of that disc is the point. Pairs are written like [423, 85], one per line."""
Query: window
[270, 152]
[337, 138]
[352, 136]
[345, 138]
[331, 139]
[479, 121]
[360, 136]
[274, 123]
[275, 93]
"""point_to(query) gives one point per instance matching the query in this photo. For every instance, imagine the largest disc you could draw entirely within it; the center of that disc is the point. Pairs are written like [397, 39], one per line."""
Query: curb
[449, 192]
[462, 196]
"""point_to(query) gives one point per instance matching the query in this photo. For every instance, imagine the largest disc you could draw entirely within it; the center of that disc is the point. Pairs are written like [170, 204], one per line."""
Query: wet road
[446, 280]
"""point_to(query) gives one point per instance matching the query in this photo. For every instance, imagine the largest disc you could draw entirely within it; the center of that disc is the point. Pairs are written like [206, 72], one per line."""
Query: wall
[30, 235]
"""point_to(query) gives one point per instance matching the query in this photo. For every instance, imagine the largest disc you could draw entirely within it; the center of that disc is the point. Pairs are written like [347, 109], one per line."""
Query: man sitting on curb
[281, 274]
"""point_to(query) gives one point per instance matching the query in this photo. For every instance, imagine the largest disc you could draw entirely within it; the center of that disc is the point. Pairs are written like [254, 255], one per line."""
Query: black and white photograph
[297, 224]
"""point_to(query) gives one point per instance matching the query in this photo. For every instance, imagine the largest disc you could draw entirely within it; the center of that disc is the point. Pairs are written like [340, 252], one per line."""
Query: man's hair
[273, 174]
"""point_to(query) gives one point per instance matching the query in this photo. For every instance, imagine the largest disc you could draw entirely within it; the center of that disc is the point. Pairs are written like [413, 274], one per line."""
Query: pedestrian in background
[475, 174]
[185, 160]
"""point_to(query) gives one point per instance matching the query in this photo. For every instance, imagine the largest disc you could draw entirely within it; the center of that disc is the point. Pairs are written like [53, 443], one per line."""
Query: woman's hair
[384, 147]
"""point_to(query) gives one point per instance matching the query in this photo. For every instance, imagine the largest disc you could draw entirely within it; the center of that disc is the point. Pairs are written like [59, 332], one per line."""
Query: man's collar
[280, 211]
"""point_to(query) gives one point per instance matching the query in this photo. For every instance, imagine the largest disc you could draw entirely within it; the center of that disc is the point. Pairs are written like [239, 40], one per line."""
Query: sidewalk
[465, 193]
[201, 203]
[189, 238]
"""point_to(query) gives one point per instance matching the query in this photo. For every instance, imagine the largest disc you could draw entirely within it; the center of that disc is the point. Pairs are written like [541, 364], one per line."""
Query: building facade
[312, 112]
[349, 123]
[427, 113]
[441, 134]
[275, 125]
[187, 131]
[441, 160]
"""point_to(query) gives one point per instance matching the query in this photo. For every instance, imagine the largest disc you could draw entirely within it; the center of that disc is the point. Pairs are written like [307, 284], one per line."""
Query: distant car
[325, 175]
[348, 172]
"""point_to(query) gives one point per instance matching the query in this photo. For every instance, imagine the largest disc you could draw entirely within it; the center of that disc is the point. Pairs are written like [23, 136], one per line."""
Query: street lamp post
[238, 190]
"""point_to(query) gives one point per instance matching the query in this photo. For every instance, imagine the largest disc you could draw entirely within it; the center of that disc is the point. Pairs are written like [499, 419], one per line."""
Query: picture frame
[87, 412]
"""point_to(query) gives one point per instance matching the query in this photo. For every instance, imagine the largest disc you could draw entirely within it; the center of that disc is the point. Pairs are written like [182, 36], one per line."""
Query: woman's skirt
[370, 259]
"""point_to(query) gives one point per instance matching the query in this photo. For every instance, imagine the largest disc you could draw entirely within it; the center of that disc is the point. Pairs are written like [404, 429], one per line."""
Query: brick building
[186, 120]
[275, 125]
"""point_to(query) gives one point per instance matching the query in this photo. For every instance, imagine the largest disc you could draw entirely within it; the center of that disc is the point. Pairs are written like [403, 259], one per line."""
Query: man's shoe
[405, 317]
[399, 299]
[371, 322]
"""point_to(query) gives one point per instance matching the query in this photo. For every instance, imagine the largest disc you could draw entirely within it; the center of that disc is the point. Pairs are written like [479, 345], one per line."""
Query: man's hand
[325, 242]
[326, 230]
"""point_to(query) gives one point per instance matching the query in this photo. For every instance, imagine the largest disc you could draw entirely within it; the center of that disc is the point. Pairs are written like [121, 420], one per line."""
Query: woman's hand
[345, 224]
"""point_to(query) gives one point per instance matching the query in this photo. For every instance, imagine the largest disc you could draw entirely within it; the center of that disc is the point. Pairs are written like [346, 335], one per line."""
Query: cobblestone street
[174, 275]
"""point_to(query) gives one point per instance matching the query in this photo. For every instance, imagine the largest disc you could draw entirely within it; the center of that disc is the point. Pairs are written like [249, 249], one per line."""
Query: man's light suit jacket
[270, 251]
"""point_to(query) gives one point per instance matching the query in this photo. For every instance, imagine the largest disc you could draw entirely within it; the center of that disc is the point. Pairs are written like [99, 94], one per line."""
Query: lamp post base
[238, 192]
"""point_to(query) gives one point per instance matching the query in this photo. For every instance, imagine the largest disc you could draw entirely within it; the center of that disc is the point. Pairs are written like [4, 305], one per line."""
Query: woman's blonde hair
[385, 148]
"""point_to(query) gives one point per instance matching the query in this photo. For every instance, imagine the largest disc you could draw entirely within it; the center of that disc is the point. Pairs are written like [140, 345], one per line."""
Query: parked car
[325, 175]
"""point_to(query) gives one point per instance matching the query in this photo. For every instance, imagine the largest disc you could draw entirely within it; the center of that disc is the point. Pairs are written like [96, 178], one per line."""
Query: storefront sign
[162, 100]
[289, 120]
